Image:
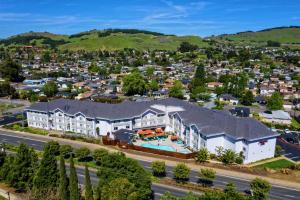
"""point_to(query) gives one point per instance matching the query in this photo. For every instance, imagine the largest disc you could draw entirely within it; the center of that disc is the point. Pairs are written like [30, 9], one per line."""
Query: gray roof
[210, 122]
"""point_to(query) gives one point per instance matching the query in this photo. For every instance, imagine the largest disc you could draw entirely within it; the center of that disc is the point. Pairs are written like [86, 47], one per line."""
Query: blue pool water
[161, 147]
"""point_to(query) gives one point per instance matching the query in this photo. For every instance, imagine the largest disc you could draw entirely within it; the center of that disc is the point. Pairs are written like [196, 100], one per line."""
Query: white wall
[257, 151]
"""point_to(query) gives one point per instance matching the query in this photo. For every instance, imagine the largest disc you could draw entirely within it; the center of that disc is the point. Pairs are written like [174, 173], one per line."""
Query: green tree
[186, 47]
[275, 102]
[63, 181]
[47, 175]
[11, 71]
[181, 172]
[278, 150]
[23, 169]
[73, 185]
[133, 84]
[177, 90]
[50, 89]
[88, 185]
[66, 150]
[6, 89]
[260, 188]
[153, 85]
[82, 153]
[119, 189]
[228, 157]
[54, 147]
[158, 168]
[247, 99]
[207, 176]
[202, 155]
[99, 155]
[199, 78]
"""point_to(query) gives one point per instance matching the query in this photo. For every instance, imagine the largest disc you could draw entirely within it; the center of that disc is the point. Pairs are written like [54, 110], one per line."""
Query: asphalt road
[290, 151]
[277, 192]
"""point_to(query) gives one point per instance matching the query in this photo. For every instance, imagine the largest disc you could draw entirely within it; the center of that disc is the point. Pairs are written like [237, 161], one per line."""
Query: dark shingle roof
[209, 122]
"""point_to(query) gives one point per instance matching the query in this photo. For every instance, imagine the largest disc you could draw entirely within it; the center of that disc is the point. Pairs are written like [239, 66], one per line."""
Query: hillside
[284, 35]
[111, 39]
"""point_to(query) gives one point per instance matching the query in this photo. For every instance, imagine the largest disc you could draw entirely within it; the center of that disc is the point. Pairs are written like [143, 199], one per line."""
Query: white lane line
[294, 157]
[287, 154]
[287, 195]
[158, 194]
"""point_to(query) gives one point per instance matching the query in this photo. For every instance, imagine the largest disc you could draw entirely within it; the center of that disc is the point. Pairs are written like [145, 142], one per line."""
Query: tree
[158, 168]
[177, 90]
[82, 153]
[199, 78]
[153, 85]
[228, 157]
[275, 102]
[120, 188]
[11, 71]
[202, 155]
[73, 185]
[50, 89]
[181, 172]
[99, 155]
[186, 47]
[66, 150]
[247, 98]
[88, 185]
[260, 188]
[54, 147]
[133, 84]
[278, 150]
[63, 182]
[207, 176]
[6, 89]
[23, 169]
[47, 175]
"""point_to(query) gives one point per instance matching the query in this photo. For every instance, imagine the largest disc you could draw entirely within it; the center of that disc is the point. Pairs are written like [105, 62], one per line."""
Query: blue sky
[181, 17]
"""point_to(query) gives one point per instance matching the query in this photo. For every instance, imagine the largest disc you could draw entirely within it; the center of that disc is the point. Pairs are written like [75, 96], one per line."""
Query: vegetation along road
[277, 192]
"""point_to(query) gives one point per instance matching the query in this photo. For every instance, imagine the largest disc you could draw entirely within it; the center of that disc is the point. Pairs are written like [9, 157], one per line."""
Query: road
[277, 192]
[290, 151]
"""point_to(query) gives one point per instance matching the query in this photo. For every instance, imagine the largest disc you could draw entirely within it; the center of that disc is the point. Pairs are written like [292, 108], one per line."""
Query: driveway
[290, 151]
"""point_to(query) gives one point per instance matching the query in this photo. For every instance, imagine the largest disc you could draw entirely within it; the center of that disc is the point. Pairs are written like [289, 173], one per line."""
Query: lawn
[2, 198]
[277, 164]
[6, 106]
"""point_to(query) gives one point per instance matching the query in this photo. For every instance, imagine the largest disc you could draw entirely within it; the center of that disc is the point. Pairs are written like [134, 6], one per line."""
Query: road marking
[158, 194]
[287, 195]
[294, 157]
[287, 154]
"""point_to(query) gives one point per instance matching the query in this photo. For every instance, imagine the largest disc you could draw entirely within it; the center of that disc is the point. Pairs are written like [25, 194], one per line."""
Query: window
[127, 126]
[116, 128]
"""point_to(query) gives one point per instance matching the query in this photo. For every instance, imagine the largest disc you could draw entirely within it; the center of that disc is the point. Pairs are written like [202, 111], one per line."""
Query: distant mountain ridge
[115, 39]
[108, 39]
[284, 34]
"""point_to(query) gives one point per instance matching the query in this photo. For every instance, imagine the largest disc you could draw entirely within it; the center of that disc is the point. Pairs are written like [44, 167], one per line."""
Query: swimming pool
[160, 147]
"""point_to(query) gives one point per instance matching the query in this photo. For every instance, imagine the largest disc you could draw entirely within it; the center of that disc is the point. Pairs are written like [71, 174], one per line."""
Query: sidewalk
[149, 158]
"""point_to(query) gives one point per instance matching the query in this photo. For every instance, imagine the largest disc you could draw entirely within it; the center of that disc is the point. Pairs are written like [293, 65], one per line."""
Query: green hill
[284, 35]
[111, 39]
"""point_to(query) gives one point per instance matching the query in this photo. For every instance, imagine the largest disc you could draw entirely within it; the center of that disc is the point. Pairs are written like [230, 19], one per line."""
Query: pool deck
[164, 142]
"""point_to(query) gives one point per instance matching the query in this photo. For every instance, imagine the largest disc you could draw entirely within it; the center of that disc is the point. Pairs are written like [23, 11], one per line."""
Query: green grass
[18, 127]
[116, 41]
[295, 124]
[2, 198]
[283, 35]
[278, 164]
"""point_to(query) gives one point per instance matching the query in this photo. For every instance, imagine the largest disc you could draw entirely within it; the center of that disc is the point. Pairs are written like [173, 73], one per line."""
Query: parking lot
[290, 143]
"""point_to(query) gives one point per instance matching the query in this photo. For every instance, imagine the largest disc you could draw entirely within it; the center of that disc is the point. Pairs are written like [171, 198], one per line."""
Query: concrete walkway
[149, 158]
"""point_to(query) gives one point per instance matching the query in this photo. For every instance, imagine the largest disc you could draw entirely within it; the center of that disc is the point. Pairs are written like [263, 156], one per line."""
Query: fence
[123, 145]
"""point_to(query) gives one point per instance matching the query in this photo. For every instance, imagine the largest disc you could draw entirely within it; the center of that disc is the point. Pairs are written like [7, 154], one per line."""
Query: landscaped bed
[277, 164]
[18, 127]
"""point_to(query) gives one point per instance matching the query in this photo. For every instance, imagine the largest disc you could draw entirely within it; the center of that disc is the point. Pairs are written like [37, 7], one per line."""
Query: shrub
[207, 176]
[228, 157]
[99, 155]
[181, 172]
[239, 160]
[54, 147]
[66, 150]
[158, 168]
[202, 155]
[82, 153]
